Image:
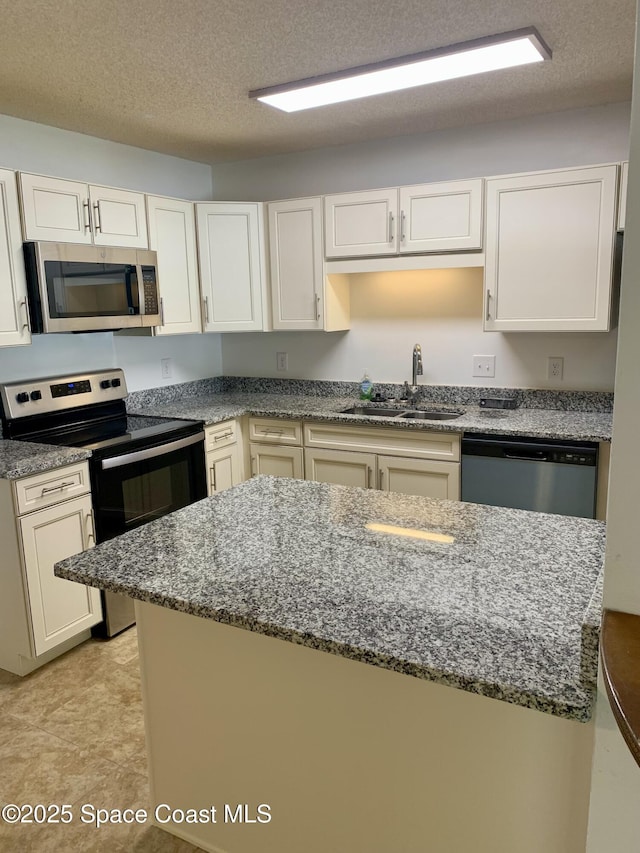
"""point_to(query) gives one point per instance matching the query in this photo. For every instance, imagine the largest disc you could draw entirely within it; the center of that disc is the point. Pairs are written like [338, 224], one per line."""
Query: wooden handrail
[620, 653]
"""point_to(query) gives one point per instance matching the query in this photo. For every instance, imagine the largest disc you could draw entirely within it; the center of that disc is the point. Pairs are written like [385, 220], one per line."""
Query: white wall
[614, 816]
[26, 146]
[442, 311]
[571, 138]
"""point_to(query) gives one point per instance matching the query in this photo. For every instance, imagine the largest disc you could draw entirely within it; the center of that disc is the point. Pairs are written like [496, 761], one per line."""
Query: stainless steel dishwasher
[530, 473]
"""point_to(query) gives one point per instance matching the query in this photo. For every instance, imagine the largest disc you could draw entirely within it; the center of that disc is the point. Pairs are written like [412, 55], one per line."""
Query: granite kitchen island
[384, 672]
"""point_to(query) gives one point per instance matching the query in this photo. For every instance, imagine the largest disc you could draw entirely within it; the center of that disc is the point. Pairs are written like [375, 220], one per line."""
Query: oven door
[146, 483]
[134, 488]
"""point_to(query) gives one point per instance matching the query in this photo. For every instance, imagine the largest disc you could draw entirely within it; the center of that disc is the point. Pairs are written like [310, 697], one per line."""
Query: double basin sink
[413, 414]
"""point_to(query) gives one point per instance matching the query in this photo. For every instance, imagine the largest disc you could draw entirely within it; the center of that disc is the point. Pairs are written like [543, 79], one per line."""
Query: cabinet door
[232, 270]
[55, 210]
[430, 479]
[549, 250]
[223, 469]
[622, 201]
[358, 224]
[443, 217]
[172, 234]
[119, 218]
[295, 241]
[14, 323]
[342, 467]
[60, 609]
[276, 461]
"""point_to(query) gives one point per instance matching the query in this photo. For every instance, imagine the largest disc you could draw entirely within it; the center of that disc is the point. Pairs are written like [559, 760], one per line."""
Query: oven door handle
[150, 452]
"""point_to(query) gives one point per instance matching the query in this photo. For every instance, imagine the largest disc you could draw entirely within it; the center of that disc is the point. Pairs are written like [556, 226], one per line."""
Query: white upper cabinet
[172, 234]
[420, 219]
[550, 249]
[444, 217]
[14, 322]
[361, 224]
[232, 266]
[71, 212]
[118, 218]
[622, 201]
[303, 298]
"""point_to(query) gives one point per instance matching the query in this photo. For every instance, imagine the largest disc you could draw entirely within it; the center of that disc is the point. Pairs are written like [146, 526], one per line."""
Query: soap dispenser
[366, 387]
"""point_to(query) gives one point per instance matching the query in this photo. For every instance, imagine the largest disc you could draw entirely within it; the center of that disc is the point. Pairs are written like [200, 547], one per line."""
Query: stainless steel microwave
[78, 288]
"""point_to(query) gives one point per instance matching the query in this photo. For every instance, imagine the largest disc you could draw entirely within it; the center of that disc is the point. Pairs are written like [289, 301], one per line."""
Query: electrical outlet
[484, 365]
[282, 361]
[166, 368]
[555, 367]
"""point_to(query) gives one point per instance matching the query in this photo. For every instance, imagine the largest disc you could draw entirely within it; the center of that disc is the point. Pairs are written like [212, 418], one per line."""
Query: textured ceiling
[174, 76]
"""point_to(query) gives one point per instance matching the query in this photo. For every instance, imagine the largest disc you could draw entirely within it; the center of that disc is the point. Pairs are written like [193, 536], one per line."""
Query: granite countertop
[505, 606]
[21, 458]
[542, 423]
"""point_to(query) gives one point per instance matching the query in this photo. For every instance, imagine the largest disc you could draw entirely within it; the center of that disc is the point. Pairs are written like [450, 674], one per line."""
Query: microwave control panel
[150, 286]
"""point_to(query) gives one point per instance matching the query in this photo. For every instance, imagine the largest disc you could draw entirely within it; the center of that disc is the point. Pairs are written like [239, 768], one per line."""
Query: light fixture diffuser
[506, 50]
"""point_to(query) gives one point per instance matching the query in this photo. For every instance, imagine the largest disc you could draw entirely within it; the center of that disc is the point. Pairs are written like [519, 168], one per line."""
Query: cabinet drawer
[420, 444]
[275, 430]
[51, 487]
[220, 435]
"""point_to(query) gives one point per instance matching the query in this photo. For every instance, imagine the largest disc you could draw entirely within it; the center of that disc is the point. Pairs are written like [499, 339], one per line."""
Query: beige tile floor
[72, 732]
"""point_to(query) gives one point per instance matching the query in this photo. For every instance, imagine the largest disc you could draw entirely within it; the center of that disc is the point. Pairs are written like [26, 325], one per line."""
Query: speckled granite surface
[543, 423]
[21, 458]
[499, 611]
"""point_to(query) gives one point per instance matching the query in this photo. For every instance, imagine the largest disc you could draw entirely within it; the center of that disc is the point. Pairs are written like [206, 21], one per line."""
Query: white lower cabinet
[276, 461]
[223, 445]
[343, 467]
[429, 478]
[426, 464]
[276, 447]
[42, 615]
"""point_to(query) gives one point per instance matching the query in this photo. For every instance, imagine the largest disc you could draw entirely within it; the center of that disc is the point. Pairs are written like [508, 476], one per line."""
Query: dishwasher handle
[534, 456]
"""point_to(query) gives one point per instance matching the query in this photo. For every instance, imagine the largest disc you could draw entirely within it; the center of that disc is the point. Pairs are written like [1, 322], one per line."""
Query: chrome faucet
[410, 392]
[417, 364]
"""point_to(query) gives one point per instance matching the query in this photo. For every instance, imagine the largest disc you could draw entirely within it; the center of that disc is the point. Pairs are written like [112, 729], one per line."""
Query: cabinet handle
[317, 307]
[206, 309]
[87, 215]
[213, 478]
[23, 304]
[253, 466]
[390, 227]
[268, 431]
[161, 311]
[488, 315]
[380, 475]
[369, 474]
[91, 533]
[403, 220]
[222, 435]
[97, 217]
[59, 488]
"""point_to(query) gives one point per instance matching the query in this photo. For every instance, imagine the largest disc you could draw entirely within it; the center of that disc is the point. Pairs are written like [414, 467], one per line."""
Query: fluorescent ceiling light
[519, 47]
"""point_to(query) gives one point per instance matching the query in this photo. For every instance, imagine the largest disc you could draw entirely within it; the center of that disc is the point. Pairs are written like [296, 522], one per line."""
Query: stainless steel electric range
[141, 467]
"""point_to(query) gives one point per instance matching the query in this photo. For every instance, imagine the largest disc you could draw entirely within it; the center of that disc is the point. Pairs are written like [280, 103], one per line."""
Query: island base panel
[349, 757]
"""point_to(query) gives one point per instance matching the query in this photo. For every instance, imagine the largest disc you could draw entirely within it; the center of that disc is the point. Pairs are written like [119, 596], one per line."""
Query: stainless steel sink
[432, 416]
[375, 412]
[372, 412]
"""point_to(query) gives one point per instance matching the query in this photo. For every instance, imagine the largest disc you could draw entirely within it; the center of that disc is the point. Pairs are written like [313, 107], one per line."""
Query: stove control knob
[104, 383]
[115, 383]
[36, 395]
[22, 397]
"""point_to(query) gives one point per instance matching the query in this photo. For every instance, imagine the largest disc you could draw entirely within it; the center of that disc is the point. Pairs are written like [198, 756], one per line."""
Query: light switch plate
[484, 365]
